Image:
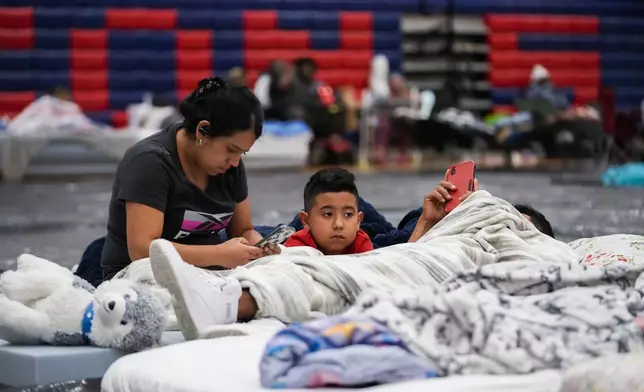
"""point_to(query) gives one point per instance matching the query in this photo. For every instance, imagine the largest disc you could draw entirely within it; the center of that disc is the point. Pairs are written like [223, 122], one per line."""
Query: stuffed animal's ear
[28, 261]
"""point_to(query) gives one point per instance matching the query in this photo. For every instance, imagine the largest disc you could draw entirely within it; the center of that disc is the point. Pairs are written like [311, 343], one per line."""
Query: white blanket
[49, 114]
[301, 283]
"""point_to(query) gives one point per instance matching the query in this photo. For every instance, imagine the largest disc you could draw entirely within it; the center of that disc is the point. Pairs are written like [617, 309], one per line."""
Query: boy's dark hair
[333, 180]
[227, 107]
[538, 219]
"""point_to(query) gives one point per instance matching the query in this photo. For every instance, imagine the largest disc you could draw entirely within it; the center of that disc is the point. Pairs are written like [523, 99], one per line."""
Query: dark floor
[57, 221]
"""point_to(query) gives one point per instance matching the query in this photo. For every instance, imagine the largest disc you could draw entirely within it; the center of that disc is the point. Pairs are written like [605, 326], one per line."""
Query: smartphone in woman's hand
[276, 237]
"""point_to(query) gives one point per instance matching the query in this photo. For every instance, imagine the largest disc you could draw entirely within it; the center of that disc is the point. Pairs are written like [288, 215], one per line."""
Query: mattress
[18, 151]
[276, 151]
[231, 364]
[43, 364]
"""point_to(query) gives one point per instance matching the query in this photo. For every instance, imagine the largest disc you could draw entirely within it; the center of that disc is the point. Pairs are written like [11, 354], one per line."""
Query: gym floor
[58, 220]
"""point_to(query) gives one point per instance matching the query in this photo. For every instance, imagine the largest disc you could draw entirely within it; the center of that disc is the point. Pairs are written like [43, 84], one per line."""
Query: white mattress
[277, 151]
[231, 364]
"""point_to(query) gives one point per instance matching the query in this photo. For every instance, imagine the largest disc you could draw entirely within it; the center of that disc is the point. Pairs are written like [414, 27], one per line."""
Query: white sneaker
[200, 300]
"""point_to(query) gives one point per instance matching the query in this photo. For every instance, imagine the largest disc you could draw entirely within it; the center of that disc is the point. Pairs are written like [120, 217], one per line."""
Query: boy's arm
[434, 208]
[422, 227]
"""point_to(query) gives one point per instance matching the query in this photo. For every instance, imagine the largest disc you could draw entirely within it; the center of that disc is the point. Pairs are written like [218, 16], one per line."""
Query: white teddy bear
[42, 302]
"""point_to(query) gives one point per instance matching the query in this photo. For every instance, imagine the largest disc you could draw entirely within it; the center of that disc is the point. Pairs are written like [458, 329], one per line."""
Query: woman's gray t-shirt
[151, 174]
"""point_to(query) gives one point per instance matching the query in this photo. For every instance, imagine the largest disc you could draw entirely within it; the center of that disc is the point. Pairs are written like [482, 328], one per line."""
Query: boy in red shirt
[331, 218]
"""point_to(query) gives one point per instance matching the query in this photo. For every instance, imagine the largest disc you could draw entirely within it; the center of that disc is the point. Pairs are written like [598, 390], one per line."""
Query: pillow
[619, 372]
[610, 249]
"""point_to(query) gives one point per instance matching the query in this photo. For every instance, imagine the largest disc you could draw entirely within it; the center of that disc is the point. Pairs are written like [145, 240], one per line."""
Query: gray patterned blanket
[516, 317]
[507, 318]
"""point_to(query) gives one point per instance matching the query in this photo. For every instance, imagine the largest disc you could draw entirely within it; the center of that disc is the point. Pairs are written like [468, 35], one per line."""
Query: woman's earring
[199, 141]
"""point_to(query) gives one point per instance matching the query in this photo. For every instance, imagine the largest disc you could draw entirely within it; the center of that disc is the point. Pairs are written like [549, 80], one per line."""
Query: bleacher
[110, 52]
[617, 8]
[109, 57]
[583, 53]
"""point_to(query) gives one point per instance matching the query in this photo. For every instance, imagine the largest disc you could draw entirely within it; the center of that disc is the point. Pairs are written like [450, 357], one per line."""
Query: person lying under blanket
[202, 301]
[371, 223]
[382, 233]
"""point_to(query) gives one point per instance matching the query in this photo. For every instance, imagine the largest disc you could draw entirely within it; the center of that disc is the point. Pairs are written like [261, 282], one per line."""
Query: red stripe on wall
[140, 18]
[16, 18]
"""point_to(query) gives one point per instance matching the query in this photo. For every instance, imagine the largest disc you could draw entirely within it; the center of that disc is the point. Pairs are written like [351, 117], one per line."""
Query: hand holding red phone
[434, 202]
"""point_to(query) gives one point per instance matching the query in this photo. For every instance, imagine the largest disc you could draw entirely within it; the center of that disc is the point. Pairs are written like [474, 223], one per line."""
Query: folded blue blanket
[338, 351]
[286, 128]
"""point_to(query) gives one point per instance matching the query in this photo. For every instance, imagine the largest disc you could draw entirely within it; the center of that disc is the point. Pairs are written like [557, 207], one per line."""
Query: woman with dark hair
[187, 183]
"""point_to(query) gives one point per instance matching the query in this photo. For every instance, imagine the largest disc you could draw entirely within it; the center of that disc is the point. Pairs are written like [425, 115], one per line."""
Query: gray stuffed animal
[42, 302]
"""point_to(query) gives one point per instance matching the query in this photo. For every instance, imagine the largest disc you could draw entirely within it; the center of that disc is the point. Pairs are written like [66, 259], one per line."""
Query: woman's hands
[238, 251]
[270, 250]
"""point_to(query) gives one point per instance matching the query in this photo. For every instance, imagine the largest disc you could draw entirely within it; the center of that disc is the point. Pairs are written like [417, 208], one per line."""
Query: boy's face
[333, 221]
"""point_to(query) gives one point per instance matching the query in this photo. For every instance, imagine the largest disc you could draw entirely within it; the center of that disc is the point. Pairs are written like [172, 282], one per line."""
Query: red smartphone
[462, 176]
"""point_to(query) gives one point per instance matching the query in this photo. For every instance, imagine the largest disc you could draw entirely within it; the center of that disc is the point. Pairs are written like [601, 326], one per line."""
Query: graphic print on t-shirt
[202, 223]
